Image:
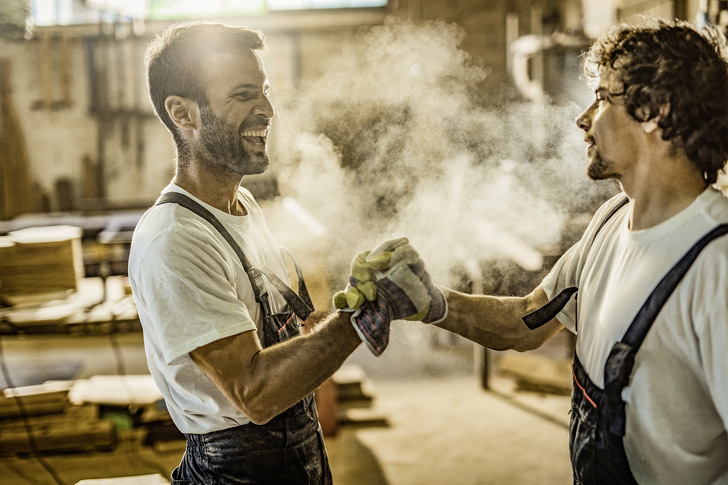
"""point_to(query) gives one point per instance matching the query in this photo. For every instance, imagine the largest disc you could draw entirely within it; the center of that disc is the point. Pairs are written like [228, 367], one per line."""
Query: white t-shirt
[677, 399]
[190, 289]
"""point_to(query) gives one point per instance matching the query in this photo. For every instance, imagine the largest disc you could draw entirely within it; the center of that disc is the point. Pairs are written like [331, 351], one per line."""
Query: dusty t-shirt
[677, 399]
[190, 290]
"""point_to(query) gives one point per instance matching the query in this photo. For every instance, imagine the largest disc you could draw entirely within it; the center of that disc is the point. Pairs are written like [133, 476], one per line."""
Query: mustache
[259, 124]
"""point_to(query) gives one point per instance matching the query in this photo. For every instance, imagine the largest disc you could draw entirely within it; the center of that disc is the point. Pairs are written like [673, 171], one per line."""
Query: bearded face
[599, 168]
[239, 149]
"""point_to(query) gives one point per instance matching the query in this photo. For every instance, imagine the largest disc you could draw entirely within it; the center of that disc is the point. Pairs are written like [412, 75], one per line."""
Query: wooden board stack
[40, 261]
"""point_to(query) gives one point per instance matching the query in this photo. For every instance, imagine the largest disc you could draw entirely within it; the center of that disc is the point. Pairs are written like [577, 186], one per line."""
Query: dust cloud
[399, 138]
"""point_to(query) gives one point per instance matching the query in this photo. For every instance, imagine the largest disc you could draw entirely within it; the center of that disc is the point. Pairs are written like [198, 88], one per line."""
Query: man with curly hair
[650, 394]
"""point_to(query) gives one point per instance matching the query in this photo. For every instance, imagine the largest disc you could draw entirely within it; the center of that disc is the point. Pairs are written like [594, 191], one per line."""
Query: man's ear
[184, 112]
[651, 125]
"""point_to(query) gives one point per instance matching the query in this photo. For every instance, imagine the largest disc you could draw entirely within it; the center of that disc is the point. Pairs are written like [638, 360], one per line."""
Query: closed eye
[249, 95]
[244, 95]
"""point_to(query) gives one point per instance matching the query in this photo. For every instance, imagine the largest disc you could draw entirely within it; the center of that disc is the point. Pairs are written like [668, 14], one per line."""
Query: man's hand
[389, 283]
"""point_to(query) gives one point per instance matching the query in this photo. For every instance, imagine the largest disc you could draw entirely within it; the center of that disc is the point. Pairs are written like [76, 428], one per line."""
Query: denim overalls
[598, 421]
[289, 449]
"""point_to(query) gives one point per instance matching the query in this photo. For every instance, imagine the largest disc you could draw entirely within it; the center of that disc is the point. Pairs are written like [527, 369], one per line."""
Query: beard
[222, 146]
[599, 168]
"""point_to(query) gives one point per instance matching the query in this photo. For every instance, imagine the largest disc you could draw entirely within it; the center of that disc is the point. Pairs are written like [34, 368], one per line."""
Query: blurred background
[450, 122]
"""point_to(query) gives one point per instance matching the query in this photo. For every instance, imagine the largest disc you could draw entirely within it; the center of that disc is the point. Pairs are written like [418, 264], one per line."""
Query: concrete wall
[91, 138]
[78, 160]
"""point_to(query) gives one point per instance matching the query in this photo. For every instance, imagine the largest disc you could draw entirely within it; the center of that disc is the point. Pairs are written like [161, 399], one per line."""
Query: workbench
[97, 307]
[93, 331]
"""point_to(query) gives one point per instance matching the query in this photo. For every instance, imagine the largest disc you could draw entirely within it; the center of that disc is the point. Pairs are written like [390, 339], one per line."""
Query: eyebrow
[244, 86]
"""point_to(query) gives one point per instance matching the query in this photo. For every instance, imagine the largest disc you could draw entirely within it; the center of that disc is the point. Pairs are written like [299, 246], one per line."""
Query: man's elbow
[259, 418]
[256, 415]
[526, 339]
[527, 344]
[254, 407]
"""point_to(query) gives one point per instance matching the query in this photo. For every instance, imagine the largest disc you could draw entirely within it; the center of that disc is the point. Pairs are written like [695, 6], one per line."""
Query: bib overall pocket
[583, 435]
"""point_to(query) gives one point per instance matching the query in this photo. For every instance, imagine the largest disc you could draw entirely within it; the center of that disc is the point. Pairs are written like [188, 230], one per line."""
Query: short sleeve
[563, 275]
[567, 271]
[189, 292]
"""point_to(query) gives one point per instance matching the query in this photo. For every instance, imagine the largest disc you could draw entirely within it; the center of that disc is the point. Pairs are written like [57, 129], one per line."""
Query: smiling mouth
[590, 144]
[256, 137]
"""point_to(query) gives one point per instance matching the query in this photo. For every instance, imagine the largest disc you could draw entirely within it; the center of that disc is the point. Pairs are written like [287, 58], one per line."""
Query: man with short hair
[221, 326]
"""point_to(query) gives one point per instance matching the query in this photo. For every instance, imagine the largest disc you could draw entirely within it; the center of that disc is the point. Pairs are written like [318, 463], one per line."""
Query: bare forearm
[262, 383]
[496, 322]
[283, 374]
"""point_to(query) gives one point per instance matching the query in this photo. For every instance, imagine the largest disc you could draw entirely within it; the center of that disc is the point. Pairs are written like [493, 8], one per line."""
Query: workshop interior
[449, 122]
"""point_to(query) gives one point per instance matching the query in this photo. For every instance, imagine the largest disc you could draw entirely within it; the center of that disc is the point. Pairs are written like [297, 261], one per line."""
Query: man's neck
[219, 192]
[662, 194]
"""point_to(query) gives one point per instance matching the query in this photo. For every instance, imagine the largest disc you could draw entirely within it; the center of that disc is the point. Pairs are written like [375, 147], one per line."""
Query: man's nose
[265, 108]
[582, 121]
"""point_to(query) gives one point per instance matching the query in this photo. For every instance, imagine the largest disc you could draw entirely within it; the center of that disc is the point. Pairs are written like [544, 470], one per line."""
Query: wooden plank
[537, 372]
[73, 435]
[352, 385]
[32, 402]
[137, 480]
[9, 408]
[86, 413]
[123, 390]
[362, 417]
[41, 260]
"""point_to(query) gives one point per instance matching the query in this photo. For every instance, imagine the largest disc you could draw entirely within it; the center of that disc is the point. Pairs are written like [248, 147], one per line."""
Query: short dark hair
[174, 57]
[672, 64]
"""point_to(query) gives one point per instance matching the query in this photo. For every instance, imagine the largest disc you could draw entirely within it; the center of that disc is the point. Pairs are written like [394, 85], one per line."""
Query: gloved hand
[389, 283]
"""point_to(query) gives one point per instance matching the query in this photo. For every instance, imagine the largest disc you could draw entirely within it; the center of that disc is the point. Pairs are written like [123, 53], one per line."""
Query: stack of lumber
[135, 394]
[40, 418]
[355, 398]
[537, 373]
[40, 261]
[126, 390]
[33, 400]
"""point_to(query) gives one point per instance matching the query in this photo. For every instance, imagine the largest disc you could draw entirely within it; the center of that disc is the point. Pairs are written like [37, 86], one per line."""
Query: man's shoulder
[158, 221]
[606, 219]
[248, 200]
[168, 225]
[715, 206]
[615, 202]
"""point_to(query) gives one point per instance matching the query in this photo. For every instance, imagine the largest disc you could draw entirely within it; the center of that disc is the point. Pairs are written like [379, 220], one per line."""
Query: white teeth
[255, 133]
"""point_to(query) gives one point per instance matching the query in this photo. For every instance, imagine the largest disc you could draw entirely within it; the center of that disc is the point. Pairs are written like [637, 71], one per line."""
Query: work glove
[389, 283]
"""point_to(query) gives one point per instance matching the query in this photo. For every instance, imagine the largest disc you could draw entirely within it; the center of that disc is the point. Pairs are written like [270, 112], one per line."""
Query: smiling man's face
[236, 118]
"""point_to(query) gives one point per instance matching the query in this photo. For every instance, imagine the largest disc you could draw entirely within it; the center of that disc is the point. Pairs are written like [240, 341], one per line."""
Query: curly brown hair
[174, 57]
[671, 65]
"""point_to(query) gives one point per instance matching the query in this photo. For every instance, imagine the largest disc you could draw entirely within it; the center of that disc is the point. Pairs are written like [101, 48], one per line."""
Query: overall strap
[549, 311]
[618, 368]
[300, 305]
[636, 334]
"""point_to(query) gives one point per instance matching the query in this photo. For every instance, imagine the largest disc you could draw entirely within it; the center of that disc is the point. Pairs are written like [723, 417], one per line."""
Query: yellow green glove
[366, 264]
[385, 284]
